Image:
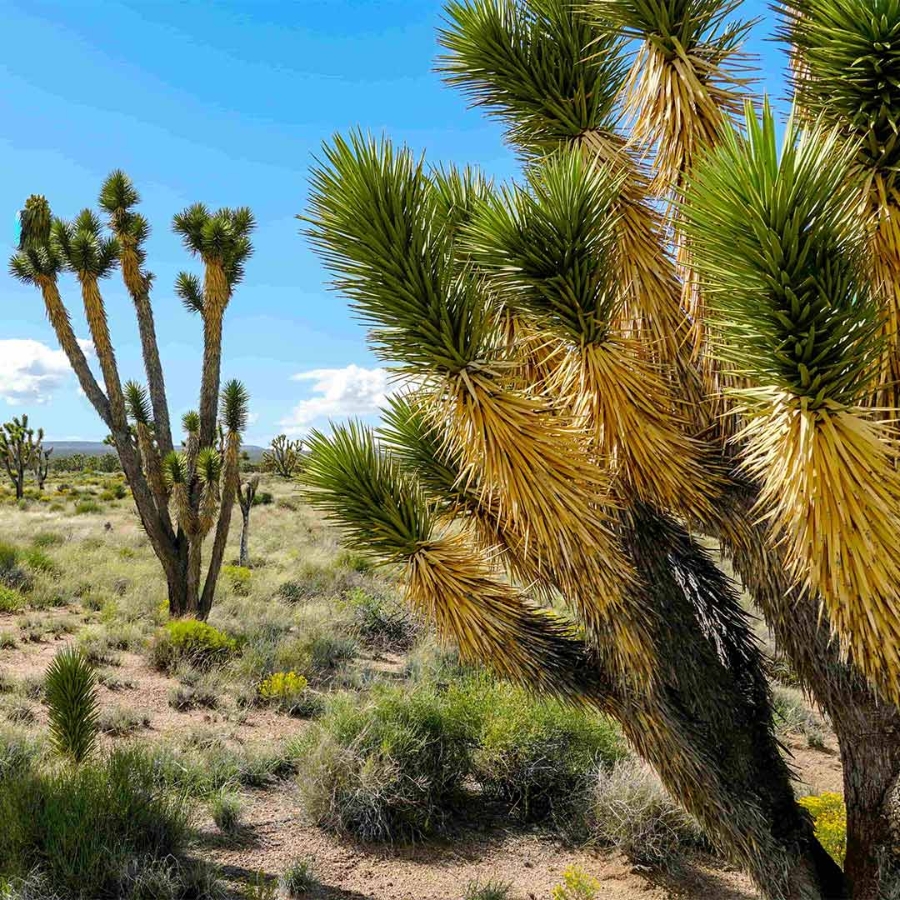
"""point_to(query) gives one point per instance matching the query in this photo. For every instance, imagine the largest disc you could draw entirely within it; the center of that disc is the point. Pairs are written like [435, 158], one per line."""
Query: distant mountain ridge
[98, 448]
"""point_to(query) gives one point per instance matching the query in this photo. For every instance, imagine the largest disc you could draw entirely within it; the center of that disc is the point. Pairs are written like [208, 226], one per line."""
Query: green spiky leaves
[777, 240]
[175, 468]
[35, 221]
[542, 67]
[235, 403]
[550, 247]
[190, 422]
[137, 403]
[83, 247]
[362, 488]
[222, 237]
[70, 691]
[189, 291]
[848, 69]
[209, 466]
[702, 27]
[379, 223]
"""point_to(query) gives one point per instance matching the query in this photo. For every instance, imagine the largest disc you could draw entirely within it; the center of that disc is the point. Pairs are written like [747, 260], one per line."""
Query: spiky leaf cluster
[137, 402]
[209, 466]
[776, 237]
[378, 505]
[544, 68]
[222, 236]
[118, 197]
[175, 468]
[70, 692]
[550, 246]
[82, 245]
[235, 403]
[379, 223]
[847, 70]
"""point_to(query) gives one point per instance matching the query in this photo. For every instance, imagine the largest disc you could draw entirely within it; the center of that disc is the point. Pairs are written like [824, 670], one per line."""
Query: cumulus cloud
[30, 372]
[338, 393]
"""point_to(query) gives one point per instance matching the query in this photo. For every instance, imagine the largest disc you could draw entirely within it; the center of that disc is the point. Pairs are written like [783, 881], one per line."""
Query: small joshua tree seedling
[70, 691]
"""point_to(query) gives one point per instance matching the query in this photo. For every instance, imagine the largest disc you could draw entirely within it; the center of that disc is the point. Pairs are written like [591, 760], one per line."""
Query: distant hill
[97, 448]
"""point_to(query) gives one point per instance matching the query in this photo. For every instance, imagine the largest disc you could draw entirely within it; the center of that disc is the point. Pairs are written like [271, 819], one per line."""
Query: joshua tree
[17, 450]
[180, 496]
[611, 349]
[246, 496]
[283, 457]
[40, 460]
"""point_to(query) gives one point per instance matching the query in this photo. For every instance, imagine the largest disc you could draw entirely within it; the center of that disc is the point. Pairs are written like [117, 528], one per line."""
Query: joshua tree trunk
[867, 728]
[244, 558]
[711, 740]
[246, 494]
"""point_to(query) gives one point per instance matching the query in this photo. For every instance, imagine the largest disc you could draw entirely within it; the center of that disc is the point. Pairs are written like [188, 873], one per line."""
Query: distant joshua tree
[283, 458]
[20, 449]
[246, 496]
[180, 496]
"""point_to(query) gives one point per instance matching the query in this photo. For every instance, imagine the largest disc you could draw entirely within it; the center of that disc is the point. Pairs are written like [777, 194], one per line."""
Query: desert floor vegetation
[313, 738]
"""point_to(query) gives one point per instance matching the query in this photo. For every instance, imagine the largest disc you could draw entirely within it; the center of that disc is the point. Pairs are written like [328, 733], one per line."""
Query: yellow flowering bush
[576, 885]
[830, 815]
[282, 686]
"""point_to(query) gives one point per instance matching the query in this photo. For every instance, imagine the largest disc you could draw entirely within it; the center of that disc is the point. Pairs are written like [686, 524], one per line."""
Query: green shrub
[18, 711]
[382, 622]
[576, 885]
[44, 539]
[291, 592]
[260, 888]
[85, 507]
[388, 769]
[191, 641]
[489, 890]
[70, 691]
[830, 817]
[298, 880]
[238, 577]
[226, 809]
[262, 498]
[633, 813]
[318, 654]
[8, 641]
[355, 562]
[39, 561]
[540, 756]
[118, 721]
[290, 693]
[10, 600]
[9, 557]
[84, 827]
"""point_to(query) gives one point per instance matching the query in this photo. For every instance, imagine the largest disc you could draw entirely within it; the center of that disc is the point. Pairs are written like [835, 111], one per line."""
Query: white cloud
[338, 393]
[31, 371]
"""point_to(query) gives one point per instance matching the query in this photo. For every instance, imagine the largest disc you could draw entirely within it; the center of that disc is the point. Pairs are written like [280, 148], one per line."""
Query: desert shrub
[632, 812]
[96, 645]
[352, 560]
[191, 641]
[226, 809]
[291, 592]
[318, 652]
[18, 753]
[488, 890]
[262, 887]
[33, 686]
[118, 721]
[263, 498]
[113, 682]
[8, 641]
[39, 560]
[238, 577]
[10, 600]
[70, 691]
[540, 756]
[298, 879]
[18, 711]
[44, 539]
[290, 693]
[576, 885]
[830, 817]
[172, 879]
[185, 696]
[83, 827]
[388, 769]
[382, 622]
[792, 715]
[86, 507]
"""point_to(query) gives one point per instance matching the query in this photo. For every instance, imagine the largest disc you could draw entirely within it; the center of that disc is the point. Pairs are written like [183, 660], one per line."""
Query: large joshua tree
[672, 325]
[181, 495]
[18, 448]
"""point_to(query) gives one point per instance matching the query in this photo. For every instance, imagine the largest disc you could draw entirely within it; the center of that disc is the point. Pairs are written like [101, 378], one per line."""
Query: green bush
[191, 641]
[263, 498]
[830, 817]
[633, 813]
[70, 691]
[226, 809]
[84, 827]
[39, 561]
[85, 507]
[389, 769]
[540, 756]
[382, 622]
[576, 885]
[489, 890]
[298, 880]
[44, 539]
[119, 721]
[10, 600]
[238, 577]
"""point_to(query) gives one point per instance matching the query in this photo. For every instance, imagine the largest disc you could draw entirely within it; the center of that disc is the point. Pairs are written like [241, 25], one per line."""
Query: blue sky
[224, 103]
